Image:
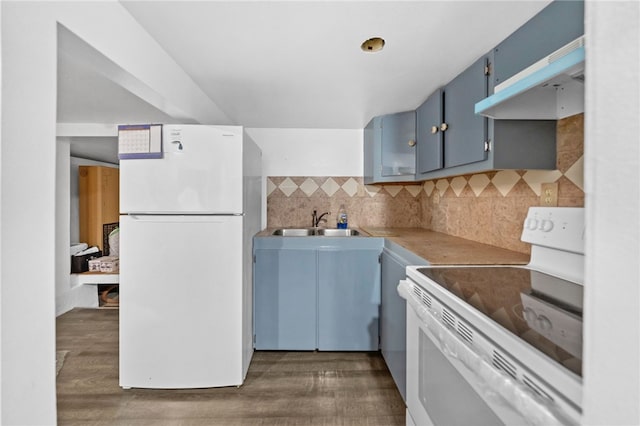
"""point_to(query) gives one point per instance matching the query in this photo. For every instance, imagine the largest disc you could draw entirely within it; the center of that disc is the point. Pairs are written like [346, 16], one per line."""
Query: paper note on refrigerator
[139, 141]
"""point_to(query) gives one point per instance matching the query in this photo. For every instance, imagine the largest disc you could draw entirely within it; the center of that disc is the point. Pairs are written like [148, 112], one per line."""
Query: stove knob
[530, 314]
[544, 323]
[532, 224]
[546, 225]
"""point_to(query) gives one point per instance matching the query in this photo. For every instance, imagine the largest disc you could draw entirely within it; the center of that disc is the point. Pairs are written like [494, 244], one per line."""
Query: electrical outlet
[549, 194]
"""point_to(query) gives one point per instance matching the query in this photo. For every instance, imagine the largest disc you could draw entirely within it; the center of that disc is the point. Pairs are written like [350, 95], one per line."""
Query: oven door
[449, 384]
[437, 392]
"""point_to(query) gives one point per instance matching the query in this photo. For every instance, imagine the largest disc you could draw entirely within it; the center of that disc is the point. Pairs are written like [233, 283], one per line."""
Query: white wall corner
[81, 296]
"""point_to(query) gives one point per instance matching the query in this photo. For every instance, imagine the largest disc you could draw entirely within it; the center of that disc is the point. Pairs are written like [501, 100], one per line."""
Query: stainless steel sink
[320, 232]
[294, 232]
[337, 232]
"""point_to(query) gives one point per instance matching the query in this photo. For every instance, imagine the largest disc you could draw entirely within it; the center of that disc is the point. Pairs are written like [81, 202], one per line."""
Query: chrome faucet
[315, 219]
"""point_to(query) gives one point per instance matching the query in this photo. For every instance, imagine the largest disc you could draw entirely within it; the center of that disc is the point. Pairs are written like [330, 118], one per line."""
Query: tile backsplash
[485, 207]
[291, 201]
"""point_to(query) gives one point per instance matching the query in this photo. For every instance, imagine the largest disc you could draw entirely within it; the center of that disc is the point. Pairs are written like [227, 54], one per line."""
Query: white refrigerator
[186, 226]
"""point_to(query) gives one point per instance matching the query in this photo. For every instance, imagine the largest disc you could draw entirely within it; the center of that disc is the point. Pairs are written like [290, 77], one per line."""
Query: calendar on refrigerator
[139, 141]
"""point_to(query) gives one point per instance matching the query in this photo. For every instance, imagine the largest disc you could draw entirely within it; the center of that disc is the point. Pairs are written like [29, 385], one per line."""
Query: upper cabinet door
[465, 133]
[429, 136]
[398, 144]
[556, 25]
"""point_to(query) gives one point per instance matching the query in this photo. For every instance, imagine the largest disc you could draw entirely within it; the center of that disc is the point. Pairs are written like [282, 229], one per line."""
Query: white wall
[309, 152]
[28, 216]
[28, 176]
[612, 200]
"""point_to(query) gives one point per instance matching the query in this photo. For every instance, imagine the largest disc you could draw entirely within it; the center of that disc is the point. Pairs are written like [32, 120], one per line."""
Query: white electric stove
[500, 344]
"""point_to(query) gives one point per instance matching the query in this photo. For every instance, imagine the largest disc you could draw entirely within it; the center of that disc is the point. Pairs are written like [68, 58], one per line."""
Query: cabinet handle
[434, 130]
[412, 143]
[444, 126]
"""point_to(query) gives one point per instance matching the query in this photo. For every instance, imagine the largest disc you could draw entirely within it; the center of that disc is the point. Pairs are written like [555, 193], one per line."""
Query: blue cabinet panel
[285, 299]
[348, 300]
[372, 150]
[556, 25]
[429, 136]
[466, 133]
[316, 293]
[399, 160]
[393, 321]
[398, 144]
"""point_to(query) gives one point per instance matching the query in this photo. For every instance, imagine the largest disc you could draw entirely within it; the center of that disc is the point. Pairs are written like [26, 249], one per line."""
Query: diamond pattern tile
[393, 189]
[350, 187]
[414, 190]
[535, 178]
[309, 187]
[575, 173]
[288, 187]
[478, 183]
[442, 185]
[371, 190]
[270, 186]
[428, 187]
[330, 187]
[505, 180]
[457, 184]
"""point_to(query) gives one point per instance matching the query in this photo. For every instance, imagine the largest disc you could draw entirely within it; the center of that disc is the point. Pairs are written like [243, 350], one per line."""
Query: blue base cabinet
[317, 293]
[285, 318]
[348, 300]
[393, 321]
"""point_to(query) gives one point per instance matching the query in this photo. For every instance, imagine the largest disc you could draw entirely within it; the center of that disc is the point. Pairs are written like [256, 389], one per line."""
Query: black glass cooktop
[543, 310]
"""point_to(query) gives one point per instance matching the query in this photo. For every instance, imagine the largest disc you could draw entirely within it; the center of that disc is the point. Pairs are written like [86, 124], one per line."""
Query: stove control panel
[556, 227]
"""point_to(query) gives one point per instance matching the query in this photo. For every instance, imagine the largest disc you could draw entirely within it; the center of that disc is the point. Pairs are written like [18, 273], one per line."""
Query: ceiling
[298, 64]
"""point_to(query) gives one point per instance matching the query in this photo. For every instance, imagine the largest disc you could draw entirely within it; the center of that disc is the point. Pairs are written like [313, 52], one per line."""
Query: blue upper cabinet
[465, 133]
[372, 151]
[453, 140]
[555, 26]
[389, 148]
[398, 144]
[539, 69]
[429, 152]
[449, 133]
[466, 143]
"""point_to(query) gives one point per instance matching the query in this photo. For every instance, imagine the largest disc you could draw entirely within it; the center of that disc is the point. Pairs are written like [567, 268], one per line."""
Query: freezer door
[200, 173]
[180, 301]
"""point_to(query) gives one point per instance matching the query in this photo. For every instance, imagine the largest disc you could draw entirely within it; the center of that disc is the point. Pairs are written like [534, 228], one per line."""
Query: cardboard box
[110, 264]
[94, 264]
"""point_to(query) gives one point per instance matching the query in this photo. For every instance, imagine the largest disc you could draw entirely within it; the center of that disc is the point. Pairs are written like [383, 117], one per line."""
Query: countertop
[442, 249]
[438, 248]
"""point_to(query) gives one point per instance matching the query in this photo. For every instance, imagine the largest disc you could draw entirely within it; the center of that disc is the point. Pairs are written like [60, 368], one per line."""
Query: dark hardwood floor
[281, 388]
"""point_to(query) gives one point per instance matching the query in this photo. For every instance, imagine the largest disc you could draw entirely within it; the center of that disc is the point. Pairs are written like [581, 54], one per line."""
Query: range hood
[550, 89]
